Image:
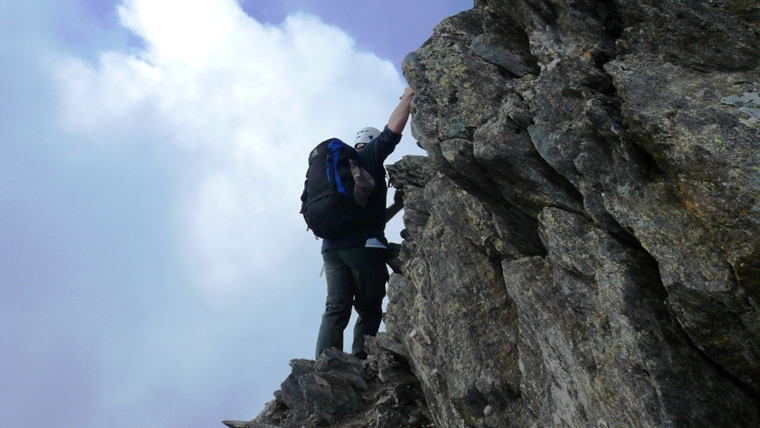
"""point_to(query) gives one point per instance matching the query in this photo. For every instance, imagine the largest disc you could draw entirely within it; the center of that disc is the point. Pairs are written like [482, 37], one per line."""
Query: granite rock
[340, 390]
[582, 240]
[586, 250]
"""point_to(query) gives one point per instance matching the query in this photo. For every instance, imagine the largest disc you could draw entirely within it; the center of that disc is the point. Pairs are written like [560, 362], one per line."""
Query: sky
[154, 269]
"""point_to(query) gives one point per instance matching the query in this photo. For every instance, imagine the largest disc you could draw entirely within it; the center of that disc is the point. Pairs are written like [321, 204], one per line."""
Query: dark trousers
[355, 277]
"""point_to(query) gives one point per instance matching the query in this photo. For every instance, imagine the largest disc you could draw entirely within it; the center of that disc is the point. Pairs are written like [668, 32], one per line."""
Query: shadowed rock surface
[581, 243]
[340, 390]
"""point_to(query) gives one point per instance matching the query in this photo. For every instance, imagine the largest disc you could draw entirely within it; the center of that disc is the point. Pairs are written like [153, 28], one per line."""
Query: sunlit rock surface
[582, 244]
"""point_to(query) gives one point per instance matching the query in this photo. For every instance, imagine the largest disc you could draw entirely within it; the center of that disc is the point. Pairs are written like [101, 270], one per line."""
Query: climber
[355, 264]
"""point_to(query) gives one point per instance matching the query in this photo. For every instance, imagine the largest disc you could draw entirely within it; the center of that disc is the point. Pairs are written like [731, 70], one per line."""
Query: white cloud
[238, 105]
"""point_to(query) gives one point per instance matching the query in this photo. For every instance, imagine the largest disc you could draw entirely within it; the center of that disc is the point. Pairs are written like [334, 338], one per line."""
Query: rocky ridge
[341, 391]
[581, 243]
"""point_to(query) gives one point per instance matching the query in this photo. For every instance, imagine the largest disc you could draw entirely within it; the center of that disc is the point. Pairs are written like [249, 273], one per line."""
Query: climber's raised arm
[400, 114]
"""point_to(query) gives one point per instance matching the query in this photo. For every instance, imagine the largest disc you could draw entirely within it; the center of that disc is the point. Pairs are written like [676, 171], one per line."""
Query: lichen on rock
[582, 240]
[611, 191]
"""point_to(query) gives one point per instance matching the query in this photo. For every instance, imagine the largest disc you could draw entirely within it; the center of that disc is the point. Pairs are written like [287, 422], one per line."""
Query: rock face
[582, 242]
[342, 391]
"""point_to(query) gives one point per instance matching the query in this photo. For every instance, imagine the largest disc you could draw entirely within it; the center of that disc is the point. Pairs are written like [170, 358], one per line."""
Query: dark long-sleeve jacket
[371, 158]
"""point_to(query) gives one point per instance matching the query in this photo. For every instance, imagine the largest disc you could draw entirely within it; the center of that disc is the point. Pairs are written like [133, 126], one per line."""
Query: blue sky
[154, 270]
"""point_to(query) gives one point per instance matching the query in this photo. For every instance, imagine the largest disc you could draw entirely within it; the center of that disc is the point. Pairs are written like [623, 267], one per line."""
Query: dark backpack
[329, 199]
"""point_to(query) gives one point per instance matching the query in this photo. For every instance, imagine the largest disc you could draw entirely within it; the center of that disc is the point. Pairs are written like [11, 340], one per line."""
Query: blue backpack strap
[335, 147]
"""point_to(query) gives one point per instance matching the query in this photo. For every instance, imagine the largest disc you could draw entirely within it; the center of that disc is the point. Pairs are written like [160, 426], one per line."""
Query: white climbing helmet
[365, 135]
